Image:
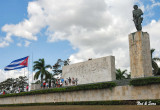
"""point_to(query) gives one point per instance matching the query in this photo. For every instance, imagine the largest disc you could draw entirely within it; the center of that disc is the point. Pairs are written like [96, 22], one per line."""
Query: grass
[80, 107]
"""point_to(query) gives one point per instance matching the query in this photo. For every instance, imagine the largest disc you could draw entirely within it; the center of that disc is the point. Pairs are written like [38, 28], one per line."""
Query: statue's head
[135, 7]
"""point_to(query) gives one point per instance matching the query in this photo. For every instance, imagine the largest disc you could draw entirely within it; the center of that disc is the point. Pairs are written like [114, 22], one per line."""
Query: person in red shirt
[44, 85]
[57, 83]
[4, 92]
[27, 88]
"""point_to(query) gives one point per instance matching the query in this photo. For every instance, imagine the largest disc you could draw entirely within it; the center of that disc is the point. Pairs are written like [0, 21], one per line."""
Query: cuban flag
[17, 64]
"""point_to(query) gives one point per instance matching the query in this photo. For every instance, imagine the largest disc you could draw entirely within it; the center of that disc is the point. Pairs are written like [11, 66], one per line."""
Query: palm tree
[41, 70]
[154, 63]
[120, 74]
[129, 76]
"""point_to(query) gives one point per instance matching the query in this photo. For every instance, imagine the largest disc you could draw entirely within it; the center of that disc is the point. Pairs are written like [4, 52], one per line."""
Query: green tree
[121, 74]
[154, 63]
[12, 85]
[57, 67]
[22, 83]
[41, 70]
[66, 62]
[158, 73]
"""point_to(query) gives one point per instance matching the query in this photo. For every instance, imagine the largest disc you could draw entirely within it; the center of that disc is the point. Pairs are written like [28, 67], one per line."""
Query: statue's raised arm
[137, 17]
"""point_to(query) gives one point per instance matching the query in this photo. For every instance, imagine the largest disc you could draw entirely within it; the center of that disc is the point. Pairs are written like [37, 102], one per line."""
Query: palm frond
[152, 51]
[36, 76]
[155, 67]
[48, 66]
[156, 59]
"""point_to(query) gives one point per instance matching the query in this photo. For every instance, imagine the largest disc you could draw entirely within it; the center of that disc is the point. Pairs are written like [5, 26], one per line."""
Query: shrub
[145, 81]
[65, 89]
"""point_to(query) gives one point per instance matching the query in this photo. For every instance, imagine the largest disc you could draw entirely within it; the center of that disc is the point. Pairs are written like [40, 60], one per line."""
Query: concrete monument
[92, 71]
[139, 47]
[140, 56]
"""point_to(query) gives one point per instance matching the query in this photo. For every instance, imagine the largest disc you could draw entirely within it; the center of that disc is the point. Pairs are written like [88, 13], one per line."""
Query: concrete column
[140, 56]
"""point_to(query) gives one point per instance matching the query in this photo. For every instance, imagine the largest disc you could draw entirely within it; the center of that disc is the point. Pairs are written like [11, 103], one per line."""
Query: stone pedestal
[140, 56]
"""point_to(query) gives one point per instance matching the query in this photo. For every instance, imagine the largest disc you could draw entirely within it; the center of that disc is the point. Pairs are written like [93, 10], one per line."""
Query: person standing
[41, 85]
[69, 81]
[62, 81]
[47, 84]
[76, 81]
[73, 81]
[59, 83]
[27, 88]
[4, 92]
[44, 85]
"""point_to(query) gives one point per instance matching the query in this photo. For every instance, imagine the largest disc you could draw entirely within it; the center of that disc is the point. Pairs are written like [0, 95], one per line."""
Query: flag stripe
[19, 59]
[15, 68]
[13, 65]
[16, 62]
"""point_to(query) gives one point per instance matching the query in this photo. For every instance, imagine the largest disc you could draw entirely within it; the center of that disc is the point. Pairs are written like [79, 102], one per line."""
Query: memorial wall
[92, 71]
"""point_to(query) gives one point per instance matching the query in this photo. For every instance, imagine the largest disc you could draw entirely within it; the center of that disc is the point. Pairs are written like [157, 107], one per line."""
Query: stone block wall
[118, 93]
[92, 71]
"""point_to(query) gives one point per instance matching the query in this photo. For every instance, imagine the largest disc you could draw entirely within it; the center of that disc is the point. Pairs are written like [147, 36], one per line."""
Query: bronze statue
[137, 17]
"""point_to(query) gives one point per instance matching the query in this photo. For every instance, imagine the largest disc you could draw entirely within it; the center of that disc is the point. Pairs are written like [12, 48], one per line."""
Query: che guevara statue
[137, 17]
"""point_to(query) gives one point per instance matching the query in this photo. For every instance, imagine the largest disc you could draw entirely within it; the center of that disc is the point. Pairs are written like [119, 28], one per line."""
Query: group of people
[69, 81]
[44, 85]
[59, 83]
[2, 92]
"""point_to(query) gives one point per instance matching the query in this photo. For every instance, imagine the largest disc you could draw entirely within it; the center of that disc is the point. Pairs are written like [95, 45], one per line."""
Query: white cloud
[8, 38]
[3, 44]
[95, 27]
[19, 44]
[4, 41]
[153, 30]
[153, 1]
[153, 4]
[28, 29]
[27, 43]
[10, 74]
[106, 33]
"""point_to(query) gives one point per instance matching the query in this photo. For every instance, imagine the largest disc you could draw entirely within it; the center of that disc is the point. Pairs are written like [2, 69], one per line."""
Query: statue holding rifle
[137, 17]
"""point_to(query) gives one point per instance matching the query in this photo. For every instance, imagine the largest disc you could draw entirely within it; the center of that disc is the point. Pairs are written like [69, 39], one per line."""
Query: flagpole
[32, 67]
[24, 72]
[28, 72]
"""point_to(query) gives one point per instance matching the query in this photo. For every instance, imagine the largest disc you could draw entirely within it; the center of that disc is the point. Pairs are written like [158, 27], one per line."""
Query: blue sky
[53, 29]
[14, 11]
